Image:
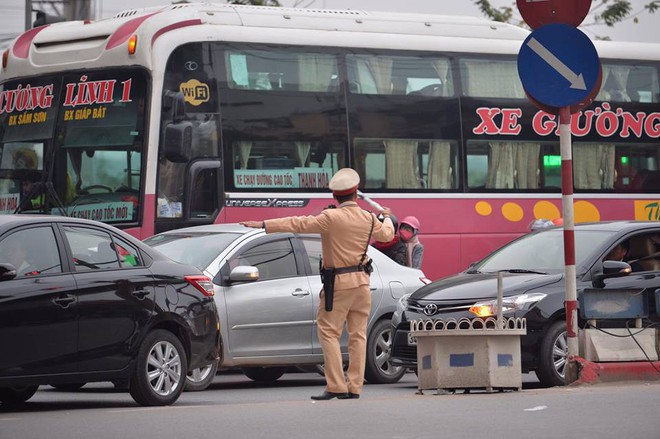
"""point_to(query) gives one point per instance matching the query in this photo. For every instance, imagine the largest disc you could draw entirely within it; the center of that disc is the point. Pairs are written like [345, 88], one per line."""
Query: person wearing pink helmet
[408, 232]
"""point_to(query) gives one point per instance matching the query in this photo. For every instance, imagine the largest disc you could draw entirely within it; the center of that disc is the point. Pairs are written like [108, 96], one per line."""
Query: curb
[594, 373]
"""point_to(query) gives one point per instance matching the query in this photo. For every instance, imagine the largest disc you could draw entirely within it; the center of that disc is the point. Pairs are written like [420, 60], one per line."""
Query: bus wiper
[38, 188]
[35, 190]
[473, 271]
[522, 270]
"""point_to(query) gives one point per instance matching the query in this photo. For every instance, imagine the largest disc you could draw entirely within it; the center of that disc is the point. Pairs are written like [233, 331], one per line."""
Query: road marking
[577, 81]
[538, 408]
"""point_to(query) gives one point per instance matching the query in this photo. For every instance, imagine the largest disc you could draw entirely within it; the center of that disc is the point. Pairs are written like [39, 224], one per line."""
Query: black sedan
[533, 287]
[81, 301]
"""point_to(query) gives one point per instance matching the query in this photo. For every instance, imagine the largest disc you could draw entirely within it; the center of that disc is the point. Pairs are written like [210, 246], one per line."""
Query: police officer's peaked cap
[344, 182]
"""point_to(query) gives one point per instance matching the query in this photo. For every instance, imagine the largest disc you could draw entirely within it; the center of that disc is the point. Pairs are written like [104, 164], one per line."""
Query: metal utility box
[602, 304]
[469, 358]
[609, 344]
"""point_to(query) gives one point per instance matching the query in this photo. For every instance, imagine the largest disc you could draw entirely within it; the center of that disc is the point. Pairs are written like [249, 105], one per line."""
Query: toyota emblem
[430, 309]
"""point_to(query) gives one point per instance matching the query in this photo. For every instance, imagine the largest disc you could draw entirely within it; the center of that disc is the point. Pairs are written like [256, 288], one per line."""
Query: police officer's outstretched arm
[295, 224]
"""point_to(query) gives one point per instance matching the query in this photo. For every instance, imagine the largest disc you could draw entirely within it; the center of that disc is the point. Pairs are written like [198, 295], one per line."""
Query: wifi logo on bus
[195, 92]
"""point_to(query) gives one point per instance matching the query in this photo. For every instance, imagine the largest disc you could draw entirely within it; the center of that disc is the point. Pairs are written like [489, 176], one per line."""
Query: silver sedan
[267, 293]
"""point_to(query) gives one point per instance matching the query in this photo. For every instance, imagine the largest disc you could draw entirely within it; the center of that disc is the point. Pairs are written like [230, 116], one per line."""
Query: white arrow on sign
[577, 81]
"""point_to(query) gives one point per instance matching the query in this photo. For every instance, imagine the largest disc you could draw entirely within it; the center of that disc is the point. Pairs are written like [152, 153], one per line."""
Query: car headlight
[402, 304]
[509, 304]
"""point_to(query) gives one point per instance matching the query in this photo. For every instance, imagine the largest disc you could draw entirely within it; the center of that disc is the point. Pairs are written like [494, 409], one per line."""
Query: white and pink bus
[191, 114]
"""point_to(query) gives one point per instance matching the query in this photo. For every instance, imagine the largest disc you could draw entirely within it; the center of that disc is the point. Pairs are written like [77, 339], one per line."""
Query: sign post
[561, 74]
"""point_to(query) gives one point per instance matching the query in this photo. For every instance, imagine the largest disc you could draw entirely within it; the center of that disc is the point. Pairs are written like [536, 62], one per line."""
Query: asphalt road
[235, 407]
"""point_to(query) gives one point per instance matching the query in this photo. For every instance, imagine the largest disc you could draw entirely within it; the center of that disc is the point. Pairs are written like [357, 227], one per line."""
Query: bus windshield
[88, 128]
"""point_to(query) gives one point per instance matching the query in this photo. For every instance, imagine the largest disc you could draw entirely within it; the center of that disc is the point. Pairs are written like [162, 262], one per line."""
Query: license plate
[412, 341]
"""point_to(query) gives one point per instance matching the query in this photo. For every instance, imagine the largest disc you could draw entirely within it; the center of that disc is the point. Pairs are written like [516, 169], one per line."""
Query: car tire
[160, 372]
[16, 395]
[553, 358]
[264, 374]
[69, 387]
[378, 369]
[202, 377]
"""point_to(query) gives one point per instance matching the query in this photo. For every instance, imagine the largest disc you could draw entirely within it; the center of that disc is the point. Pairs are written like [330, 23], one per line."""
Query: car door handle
[65, 300]
[140, 294]
[299, 292]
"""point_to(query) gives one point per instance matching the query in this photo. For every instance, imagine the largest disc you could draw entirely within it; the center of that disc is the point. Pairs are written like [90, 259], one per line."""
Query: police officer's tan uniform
[344, 236]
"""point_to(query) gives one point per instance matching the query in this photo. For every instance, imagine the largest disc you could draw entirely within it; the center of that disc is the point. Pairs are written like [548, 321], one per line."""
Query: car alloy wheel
[164, 368]
[553, 356]
[560, 354]
[378, 369]
[202, 377]
[160, 372]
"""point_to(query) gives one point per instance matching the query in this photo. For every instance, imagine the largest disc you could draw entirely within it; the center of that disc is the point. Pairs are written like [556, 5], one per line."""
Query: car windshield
[198, 249]
[542, 251]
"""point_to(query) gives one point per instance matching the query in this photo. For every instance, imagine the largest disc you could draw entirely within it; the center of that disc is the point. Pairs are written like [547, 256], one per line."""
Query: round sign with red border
[537, 13]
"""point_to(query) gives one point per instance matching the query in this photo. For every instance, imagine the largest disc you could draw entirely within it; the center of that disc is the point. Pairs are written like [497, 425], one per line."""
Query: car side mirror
[7, 272]
[244, 273]
[611, 269]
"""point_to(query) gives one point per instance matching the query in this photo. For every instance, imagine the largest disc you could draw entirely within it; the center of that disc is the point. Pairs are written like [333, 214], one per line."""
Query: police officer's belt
[353, 269]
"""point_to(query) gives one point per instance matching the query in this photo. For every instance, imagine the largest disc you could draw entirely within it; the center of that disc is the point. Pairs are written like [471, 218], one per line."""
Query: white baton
[370, 202]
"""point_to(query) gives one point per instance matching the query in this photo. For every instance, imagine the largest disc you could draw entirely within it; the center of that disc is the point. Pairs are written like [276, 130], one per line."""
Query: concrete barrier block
[469, 359]
[598, 346]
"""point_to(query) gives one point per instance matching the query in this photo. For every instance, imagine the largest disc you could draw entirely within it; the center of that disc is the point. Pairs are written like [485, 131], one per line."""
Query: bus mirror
[178, 142]
[175, 102]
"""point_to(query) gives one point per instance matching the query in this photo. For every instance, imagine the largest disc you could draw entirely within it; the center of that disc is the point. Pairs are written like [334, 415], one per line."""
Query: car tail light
[202, 283]
[5, 58]
[425, 280]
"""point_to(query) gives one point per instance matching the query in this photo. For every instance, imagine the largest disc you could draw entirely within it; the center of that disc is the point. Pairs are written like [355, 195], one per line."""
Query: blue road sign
[558, 65]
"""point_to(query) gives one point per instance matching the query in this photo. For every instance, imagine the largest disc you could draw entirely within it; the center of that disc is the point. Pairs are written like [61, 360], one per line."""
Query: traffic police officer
[345, 233]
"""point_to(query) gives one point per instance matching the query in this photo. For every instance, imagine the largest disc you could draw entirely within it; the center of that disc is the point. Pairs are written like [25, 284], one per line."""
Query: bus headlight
[509, 304]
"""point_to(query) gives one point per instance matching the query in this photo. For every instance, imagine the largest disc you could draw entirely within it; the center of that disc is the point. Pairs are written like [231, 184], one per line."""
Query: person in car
[408, 232]
[618, 252]
[17, 255]
[345, 235]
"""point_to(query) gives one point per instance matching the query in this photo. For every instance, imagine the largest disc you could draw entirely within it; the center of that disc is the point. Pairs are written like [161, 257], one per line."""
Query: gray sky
[12, 13]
